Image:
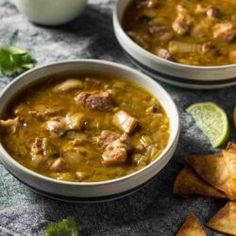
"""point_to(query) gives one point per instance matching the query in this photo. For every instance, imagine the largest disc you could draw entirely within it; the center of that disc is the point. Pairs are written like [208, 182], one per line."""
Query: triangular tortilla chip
[191, 227]
[225, 220]
[230, 186]
[231, 147]
[188, 183]
[212, 168]
[230, 160]
[215, 170]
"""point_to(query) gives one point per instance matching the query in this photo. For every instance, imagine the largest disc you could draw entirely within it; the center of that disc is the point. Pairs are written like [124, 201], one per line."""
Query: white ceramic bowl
[76, 191]
[51, 12]
[202, 77]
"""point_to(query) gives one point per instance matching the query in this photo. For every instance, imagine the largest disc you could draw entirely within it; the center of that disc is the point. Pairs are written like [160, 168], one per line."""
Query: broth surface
[51, 130]
[194, 32]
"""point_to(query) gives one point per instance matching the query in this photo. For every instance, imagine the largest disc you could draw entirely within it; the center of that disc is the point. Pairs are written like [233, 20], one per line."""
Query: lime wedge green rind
[212, 120]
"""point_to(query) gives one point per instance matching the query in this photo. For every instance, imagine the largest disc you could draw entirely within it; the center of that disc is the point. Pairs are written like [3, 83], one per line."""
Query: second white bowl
[199, 77]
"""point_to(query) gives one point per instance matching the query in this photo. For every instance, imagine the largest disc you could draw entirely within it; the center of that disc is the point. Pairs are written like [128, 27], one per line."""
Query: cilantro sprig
[14, 61]
[66, 227]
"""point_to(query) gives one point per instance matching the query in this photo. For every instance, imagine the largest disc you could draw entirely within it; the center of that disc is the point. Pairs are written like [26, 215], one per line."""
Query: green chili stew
[195, 32]
[85, 127]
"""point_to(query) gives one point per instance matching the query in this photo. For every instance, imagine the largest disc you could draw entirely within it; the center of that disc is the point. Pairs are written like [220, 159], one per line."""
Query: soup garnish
[85, 127]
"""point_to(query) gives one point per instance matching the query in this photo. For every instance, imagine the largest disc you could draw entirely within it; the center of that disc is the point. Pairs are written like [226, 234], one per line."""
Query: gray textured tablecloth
[154, 210]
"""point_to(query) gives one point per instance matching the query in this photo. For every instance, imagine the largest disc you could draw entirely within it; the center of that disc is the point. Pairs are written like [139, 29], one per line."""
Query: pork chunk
[75, 121]
[44, 147]
[162, 33]
[124, 122]
[41, 150]
[10, 125]
[101, 101]
[224, 32]
[213, 12]
[68, 85]
[57, 126]
[58, 165]
[164, 53]
[107, 137]
[181, 25]
[116, 153]
[209, 49]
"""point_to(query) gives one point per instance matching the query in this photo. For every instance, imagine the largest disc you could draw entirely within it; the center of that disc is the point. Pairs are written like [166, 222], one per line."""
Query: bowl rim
[117, 25]
[171, 143]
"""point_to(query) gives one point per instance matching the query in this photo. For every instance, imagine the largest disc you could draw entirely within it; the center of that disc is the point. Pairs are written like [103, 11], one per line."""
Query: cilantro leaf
[66, 227]
[14, 61]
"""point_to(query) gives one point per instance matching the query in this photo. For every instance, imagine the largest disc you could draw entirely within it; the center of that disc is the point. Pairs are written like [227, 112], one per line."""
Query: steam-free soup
[85, 127]
[195, 32]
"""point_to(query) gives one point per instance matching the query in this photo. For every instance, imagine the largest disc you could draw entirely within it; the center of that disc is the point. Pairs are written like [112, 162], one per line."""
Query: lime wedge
[212, 120]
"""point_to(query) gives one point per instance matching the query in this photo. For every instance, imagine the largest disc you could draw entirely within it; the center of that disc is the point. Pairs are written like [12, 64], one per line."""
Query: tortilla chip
[231, 147]
[217, 170]
[191, 227]
[230, 186]
[230, 160]
[211, 168]
[188, 183]
[225, 220]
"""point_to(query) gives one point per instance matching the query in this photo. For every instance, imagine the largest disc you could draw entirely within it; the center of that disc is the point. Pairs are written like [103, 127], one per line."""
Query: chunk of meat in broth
[57, 126]
[107, 137]
[209, 49]
[10, 125]
[68, 85]
[125, 122]
[224, 32]
[58, 165]
[183, 21]
[101, 101]
[41, 151]
[75, 121]
[75, 157]
[161, 33]
[77, 139]
[181, 25]
[116, 153]
[164, 53]
[212, 12]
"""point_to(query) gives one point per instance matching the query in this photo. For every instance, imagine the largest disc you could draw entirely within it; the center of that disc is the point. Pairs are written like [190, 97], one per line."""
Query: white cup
[51, 12]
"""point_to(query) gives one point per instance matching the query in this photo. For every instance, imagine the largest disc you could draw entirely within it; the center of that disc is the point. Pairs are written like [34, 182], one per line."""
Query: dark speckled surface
[154, 210]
